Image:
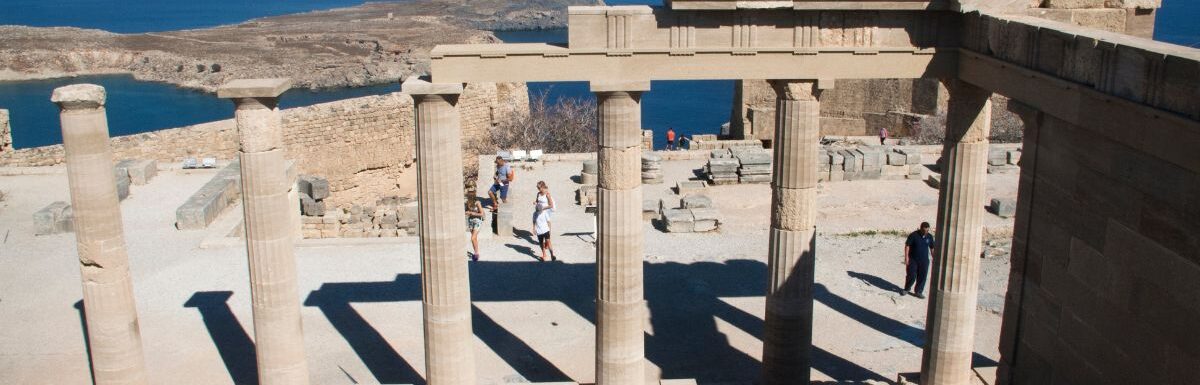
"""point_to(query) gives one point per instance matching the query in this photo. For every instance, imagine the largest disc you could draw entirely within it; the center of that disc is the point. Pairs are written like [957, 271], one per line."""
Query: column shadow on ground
[685, 301]
[87, 338]
[233, 343]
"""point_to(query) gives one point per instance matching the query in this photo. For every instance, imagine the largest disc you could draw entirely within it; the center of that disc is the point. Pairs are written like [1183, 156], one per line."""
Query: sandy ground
[533, 321]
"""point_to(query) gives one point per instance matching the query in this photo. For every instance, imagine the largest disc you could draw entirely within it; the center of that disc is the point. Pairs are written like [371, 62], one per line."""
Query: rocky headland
[374, 43]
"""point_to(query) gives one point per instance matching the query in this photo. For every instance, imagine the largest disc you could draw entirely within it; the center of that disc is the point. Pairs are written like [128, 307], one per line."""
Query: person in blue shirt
[504, 176]
[917, 249]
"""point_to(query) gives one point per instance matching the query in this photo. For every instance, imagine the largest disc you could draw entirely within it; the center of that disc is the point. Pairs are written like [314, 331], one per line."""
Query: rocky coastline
[374, 43]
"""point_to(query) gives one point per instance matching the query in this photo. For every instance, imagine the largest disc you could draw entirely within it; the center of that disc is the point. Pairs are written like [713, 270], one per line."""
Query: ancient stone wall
[862, 107]
[1105, 279]
[5, 133]
[364, 146]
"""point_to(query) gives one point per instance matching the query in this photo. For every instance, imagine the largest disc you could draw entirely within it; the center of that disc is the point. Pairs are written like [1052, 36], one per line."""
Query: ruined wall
[1105, 279]
[364, 146]
[1130, 17]
[5, 133]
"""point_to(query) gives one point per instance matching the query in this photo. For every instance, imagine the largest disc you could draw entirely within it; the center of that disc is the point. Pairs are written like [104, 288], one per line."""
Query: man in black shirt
[916, 259]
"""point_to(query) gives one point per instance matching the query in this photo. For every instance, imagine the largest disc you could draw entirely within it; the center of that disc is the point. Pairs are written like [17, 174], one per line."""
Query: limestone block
[651, 208]
[894, 172]
[213, 198]
[139, 172]
[872, 156]
[1069, 4]
[588, 179]
[912, 156]
[1139, 4]
[704, 219]
[997, 157]
[50, 219]
[755, 179]
[315, 186]
[591, 166]
[1003, 169]
[586, 195]
[836, 159]
[695, 201]
[123, 187]
[678, 221]
[502, 221]
[1014, 157]
[721, 153]
[837, 175]
[896, 159]
[1003, 207]
[311, 207]
[689, 187]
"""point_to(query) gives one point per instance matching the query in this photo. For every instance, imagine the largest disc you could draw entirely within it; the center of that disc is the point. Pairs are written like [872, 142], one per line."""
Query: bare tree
[568, 125]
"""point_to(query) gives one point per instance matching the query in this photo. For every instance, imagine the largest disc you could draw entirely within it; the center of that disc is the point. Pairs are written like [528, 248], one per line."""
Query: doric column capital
[254, 93]
[422, 90]
[79, 97]
[797, 90]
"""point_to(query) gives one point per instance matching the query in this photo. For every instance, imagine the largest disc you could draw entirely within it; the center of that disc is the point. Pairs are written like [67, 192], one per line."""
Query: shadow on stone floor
[684, 302]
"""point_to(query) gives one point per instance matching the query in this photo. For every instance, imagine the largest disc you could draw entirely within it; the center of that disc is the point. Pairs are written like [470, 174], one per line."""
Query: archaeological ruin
[1105, 259]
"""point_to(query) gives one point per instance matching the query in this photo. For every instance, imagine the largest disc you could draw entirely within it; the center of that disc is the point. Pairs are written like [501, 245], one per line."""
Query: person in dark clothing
[916, 260]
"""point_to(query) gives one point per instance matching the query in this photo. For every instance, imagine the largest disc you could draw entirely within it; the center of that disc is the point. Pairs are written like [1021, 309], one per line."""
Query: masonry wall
[363, 146]
[862, 107]
[1105, 280]
[5, 133]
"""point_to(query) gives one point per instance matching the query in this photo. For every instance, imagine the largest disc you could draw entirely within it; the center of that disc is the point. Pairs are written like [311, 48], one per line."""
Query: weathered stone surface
[311, 207]
[52, 219]
[689, 187]
[705, 219]
[678, 221]
[588, 179]
[139, 171]
[695, 201]
[214, 197]
[316, 187]
[651, 208]
[1003, 207]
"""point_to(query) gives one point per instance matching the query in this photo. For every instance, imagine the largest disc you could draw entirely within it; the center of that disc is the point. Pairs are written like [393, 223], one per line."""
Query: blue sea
[690, 107]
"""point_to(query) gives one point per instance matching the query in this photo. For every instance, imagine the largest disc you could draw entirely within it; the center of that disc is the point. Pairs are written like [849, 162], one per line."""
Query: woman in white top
[543, 206]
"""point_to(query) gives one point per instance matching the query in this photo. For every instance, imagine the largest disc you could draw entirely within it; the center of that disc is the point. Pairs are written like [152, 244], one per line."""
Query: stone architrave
[115, 339]
[270, 236]
[954, 279]
[445, 283]
[620, 302]
[791, 257]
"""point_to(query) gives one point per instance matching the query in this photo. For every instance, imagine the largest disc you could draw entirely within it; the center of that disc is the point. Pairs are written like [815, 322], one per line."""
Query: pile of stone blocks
[722, 169]
[139, 172]
[203, 207]
[836, 163]
[56, 218]
[695, 214]
[313, 191]
[587, 176]
[754, 164]
[389, 217]
[651, 168]
[1003, 161]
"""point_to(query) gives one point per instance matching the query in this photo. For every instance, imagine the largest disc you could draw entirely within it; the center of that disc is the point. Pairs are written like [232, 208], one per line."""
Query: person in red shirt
[670, 139]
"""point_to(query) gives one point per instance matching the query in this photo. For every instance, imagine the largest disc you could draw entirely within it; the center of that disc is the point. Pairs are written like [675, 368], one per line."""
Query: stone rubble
[55, 218]
[389, 217]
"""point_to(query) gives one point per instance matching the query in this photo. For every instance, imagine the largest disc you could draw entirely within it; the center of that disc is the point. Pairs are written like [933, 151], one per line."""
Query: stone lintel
[423, 87]
[610, 10]
[254, 88]
[826, 84]
[627, 86]
[81, 95]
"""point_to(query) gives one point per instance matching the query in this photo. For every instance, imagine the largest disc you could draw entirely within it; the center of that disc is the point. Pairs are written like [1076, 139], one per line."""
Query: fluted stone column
[950, 330]
[114, 336]
[620, 301]
[791, 258]
[445, 284]
[270, 238]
